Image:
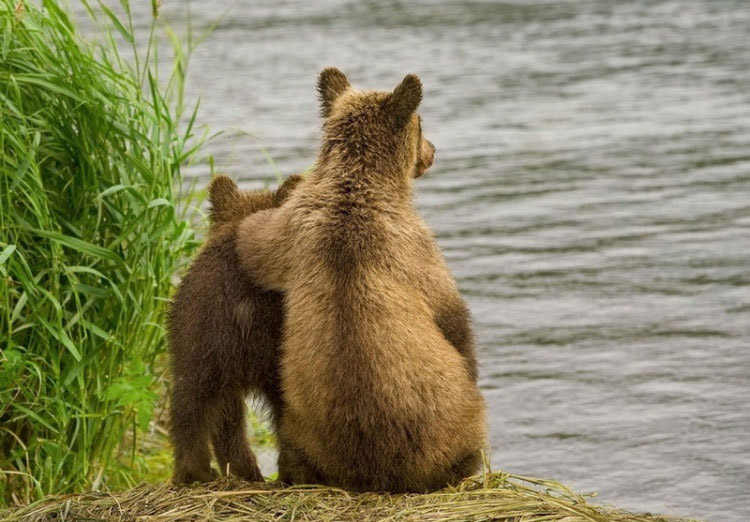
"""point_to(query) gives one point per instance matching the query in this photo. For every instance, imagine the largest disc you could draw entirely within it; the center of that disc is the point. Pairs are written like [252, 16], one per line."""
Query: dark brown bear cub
[224, 337]
[378, 370]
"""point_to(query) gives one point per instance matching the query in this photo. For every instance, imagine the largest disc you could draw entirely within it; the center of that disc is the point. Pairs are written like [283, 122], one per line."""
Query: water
[591, 192]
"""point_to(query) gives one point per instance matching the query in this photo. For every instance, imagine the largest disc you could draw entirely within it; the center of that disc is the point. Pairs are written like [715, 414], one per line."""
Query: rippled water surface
[591, 191]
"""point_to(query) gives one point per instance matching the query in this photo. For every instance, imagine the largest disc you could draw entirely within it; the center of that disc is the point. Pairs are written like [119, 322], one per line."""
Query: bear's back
[400, 398]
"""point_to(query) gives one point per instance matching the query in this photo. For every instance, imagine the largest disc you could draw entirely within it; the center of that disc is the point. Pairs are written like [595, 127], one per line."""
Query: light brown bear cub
[224, 340]
[378, 370]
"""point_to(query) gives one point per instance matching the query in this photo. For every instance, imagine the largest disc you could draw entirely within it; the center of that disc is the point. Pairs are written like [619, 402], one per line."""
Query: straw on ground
[498, 496]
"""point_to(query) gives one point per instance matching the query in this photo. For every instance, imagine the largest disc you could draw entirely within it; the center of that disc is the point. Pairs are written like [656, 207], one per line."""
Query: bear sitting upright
[378, 369]
[224, 338]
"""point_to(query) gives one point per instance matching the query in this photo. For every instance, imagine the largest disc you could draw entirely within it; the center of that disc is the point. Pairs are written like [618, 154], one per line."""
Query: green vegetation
[500, 497]
[90, 237]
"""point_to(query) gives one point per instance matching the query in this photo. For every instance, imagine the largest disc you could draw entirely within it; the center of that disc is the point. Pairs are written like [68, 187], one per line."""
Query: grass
[499, 497]
[90, 237]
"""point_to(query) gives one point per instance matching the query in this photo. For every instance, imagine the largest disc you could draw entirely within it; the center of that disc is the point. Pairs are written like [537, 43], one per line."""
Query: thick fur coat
[378, 369]
[224, 339]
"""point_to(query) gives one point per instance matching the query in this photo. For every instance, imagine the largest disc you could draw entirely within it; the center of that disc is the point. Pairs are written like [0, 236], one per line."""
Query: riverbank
[498, 496]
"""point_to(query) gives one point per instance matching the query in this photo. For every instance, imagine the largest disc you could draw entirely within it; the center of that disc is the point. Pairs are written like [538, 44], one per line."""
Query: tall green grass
[90, 236]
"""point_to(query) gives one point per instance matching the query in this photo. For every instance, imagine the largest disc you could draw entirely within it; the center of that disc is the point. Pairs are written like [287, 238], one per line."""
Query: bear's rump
[391, 396]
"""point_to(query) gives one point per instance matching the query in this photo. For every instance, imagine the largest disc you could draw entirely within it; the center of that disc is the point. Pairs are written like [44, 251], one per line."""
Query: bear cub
[378, 368]
[224, 336]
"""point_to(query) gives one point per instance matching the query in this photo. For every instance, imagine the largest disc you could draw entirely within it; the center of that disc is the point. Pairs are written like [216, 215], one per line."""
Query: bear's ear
[221, 189]
[222, 192]
[331, 84]
[285, 189]
[404, 100]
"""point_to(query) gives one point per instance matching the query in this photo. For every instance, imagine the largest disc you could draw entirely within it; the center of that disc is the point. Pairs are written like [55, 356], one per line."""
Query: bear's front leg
[263, 245]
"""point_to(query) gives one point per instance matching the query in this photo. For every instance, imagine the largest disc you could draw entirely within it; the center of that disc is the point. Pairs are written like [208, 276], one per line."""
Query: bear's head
[229, 204]
[379, 132]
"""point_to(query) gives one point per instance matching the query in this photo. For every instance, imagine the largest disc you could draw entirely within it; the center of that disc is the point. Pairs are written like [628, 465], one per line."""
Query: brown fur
[378, 370]
[224, 337]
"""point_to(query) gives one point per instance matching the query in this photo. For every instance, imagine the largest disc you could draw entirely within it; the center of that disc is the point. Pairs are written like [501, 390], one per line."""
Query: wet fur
[224, 335]
[378, 370]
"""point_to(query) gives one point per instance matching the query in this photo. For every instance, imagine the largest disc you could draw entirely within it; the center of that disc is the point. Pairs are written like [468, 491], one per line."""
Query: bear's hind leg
[463, 468]
[231, 447]
[294, 467]
[189, 434]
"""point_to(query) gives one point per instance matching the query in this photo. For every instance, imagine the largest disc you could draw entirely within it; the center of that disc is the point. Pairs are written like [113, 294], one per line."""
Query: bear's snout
[426, 157]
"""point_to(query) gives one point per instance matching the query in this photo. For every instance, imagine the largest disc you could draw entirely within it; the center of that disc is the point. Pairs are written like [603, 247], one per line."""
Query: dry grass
[498, 496]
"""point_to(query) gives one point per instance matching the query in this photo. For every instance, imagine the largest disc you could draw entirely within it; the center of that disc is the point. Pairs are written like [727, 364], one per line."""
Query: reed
[92, 144]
